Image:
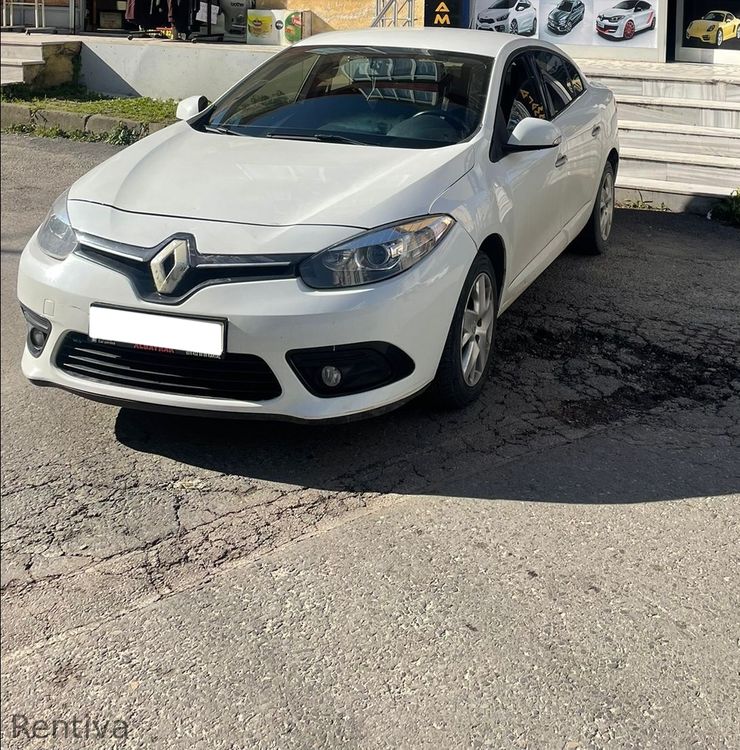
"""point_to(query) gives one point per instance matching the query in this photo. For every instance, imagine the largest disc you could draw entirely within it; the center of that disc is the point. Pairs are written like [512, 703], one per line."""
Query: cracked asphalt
[554, 567]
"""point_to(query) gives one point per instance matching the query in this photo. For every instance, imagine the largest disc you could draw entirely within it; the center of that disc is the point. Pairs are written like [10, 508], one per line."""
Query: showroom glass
[560, 78]
[369, 95]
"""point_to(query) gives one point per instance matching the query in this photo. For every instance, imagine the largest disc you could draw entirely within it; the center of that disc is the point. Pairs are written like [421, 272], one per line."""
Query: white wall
[165, 69]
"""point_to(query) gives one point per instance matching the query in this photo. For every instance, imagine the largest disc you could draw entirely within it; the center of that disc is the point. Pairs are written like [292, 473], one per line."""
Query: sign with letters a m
[452, 14]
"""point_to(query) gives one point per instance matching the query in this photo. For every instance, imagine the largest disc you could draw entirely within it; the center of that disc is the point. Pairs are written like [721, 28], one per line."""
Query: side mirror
[190, 107]
[532, 134]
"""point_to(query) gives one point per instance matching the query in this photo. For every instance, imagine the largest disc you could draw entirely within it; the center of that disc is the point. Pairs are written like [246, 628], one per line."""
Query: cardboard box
[277, 27]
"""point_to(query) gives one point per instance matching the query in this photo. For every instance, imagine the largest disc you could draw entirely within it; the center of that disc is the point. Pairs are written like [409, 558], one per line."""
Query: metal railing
[393, 13]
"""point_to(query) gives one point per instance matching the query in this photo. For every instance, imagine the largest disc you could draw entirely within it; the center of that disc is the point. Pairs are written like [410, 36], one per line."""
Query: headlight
[375, 255]
[711, 28]
[56, 236]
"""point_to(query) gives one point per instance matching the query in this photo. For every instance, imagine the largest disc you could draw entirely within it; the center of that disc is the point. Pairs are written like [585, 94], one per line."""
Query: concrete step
[690, 139]
[681, 111]
[675, 196]
[674, 166]
[21, 50]
[19, 71]
[673, 88]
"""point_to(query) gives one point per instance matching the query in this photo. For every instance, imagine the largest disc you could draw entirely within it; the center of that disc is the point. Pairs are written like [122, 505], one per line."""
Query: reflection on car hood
[185, 173]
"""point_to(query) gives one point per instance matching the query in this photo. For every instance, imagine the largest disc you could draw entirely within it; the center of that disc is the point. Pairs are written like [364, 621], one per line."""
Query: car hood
[703, 25]
[611, 12]
[180, 172]
[558, 15]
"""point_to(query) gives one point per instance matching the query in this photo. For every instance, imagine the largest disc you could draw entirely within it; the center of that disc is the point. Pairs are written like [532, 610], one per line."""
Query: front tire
[513, 27]
[467, 355]
[594, 237]
[629, 30]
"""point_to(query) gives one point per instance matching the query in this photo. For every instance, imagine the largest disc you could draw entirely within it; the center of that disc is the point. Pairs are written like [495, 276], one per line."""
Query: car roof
[482, 43]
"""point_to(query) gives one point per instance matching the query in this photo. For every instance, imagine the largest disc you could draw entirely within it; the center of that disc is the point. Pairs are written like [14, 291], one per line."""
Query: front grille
[242, 377]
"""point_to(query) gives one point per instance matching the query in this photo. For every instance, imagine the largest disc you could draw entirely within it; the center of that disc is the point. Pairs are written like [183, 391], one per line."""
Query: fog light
[38, 331]
[38, 337]
[331, 371]
[331, 376]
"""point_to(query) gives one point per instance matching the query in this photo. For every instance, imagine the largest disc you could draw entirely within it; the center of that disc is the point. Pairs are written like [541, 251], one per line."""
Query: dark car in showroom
[563, 18]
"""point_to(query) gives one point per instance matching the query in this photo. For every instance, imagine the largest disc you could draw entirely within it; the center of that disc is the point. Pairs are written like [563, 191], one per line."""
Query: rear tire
[594, 237]
[720, 37]
[534, 27]
[472, 329]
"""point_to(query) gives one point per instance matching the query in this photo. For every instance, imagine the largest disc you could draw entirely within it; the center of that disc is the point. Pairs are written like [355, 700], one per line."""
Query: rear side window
[559, 78]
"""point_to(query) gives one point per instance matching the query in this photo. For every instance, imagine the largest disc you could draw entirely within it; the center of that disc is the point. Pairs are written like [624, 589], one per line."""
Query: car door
[579, 121]
[527, 186]
[580, 12]
[643, 15]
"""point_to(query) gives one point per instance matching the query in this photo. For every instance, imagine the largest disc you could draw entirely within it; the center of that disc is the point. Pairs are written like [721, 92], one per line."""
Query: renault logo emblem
[169, 265]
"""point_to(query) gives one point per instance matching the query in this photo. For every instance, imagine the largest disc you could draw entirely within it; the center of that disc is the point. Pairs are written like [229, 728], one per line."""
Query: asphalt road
[554, 567]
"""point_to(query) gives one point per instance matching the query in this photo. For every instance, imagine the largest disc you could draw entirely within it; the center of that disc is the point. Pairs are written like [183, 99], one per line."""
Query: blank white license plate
[204, 337]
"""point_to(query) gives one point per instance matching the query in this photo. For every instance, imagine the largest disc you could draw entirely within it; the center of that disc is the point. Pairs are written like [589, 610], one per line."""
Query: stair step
[18, 71]
[680, 111]
[712, 89]
[22, 51]
[676, 196]
[674, 166]
[684, 138]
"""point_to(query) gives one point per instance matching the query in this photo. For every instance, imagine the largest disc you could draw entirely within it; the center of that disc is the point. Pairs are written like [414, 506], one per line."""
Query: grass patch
[121, 136]
[642, 205]
[728, 210]
[75, 98]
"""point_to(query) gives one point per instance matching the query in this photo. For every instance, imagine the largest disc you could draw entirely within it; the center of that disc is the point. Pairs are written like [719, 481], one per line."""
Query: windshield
[714, 17]
[503, 4]
[406, 98]
[566, 5]
[626, 5]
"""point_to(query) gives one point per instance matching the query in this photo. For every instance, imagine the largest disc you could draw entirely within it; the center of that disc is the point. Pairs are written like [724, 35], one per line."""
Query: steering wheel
[449, 117]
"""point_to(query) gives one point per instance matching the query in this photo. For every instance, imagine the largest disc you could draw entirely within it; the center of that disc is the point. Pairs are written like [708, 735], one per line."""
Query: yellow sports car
[714, 28]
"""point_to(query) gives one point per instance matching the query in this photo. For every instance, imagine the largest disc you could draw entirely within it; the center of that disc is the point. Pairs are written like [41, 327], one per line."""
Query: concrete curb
[12, 113]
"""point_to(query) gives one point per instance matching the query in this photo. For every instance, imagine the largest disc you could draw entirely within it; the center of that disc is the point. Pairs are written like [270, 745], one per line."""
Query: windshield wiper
[221, 129]
[319, 137]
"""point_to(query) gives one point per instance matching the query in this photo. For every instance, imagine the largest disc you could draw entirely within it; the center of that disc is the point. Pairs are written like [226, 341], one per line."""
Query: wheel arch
[613, 159]
[493, 246]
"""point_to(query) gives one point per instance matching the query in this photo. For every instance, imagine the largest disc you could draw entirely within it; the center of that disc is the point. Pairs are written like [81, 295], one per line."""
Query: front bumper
[265, 318]
[500, 26]
[611, 30]
[709, 38]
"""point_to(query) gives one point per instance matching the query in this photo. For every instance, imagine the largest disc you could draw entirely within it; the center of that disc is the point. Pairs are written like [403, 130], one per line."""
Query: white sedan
[333, 236]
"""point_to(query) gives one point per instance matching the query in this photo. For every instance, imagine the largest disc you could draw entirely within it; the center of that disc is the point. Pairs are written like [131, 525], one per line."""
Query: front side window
[520, 95]
[560, 78]
[405, 98]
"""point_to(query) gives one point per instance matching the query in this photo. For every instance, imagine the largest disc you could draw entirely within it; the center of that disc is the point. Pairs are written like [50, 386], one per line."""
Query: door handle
[596, 130]
[562, 158]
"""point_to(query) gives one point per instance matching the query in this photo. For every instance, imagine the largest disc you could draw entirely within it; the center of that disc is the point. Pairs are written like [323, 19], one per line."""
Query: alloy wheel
[514, 27]
[477, 329]
[606, 205]
[719, 37]
[629, 30]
